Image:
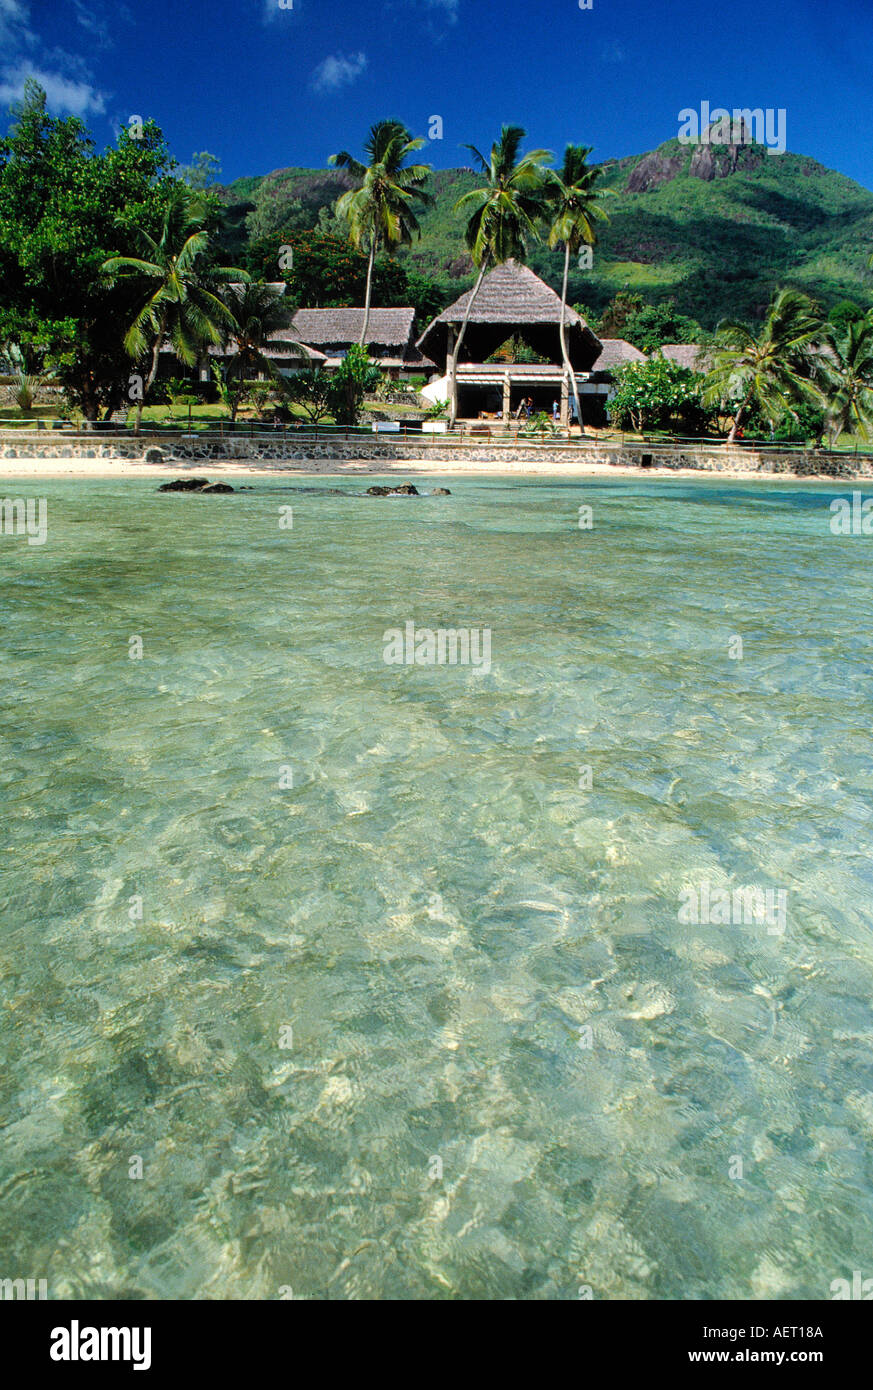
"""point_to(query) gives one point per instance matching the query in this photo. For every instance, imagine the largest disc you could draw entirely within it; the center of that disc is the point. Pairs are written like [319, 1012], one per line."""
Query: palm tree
[257, 312]
[382, 211]
[575, 207]
[180, 303]
[848, 371]
[771, 369]
[503, 217]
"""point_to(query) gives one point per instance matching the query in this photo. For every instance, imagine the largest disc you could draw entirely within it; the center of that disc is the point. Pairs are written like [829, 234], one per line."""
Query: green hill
[713, 229]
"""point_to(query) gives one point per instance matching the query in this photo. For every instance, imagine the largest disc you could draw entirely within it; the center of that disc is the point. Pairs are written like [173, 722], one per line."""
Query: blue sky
[263, 87]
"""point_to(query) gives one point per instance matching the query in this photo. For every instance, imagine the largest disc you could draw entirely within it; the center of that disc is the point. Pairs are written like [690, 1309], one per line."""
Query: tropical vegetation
[382, 210]
[573, 208]
[177, 290]
[107, 260]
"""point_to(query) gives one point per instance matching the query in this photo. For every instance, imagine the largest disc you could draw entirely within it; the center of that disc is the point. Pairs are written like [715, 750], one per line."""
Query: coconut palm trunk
[565, 353]
[369, 296]
[744, 405]
[573, 199]
[453, 360]
[153, 371]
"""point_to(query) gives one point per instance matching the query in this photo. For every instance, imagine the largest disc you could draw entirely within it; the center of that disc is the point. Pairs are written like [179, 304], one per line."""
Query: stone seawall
[279, 453]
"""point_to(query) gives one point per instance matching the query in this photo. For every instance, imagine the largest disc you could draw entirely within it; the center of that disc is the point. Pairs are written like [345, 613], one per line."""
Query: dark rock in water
[441, 492]
[184, 485]
[195, 485]
[402, 490]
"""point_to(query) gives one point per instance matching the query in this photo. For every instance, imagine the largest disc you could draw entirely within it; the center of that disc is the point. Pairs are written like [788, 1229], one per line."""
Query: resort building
[390, 337]
[617, 352]
[322, 337]
[685, 354]
[513, 302]
[283, 348]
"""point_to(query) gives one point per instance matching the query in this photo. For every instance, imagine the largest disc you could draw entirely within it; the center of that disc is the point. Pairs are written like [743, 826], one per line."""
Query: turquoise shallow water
[436, 908]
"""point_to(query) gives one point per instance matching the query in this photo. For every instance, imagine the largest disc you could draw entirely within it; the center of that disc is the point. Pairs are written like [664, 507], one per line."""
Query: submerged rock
[440, 492]
[194, 485]
[401, 490]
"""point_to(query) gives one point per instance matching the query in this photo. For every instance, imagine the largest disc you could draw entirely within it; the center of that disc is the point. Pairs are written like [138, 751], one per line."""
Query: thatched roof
[339, 328]
[617, 352]
[281, 346]
[512, 300]
[686, 355]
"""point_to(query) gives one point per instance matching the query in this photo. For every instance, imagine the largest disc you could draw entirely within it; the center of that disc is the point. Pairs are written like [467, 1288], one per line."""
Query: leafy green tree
[63, 209]
[273, 212]
[351, 381]
[382, 211]
[502, 219]
[614, 318]
[313, 390]
[573, 209]
[650, 395]
[655, 324]
[806, 422]
[181, 304]
[202, 173]
[773, 369]
[323, 272]
[426, 295]
[591, 317]
[847, 311]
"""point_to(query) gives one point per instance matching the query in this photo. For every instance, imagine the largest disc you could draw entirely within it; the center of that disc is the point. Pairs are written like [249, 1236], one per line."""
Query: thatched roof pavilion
[686, 355]
[389, 334]
[512, 301]
[617, 352]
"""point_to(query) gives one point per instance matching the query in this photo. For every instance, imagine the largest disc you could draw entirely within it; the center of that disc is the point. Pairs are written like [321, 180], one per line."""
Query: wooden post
[507, 399]
[565, 399]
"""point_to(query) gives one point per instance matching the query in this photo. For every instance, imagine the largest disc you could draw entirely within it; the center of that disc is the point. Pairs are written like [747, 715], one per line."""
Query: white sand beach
[71, 467]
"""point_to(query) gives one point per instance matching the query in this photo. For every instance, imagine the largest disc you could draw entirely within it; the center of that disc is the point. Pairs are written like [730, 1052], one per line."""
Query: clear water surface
[480, 962]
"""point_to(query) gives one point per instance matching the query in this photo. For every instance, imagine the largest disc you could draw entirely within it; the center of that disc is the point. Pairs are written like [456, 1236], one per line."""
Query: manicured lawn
[13, 418]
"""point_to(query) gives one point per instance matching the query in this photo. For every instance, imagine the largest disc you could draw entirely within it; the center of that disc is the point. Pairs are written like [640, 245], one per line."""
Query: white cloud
[338, 71]
[63, 94]
[14, 24]
[64, 76]
[89, 19]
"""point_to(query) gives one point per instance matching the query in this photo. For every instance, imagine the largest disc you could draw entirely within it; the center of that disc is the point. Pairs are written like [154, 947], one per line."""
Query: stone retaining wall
[158, 449]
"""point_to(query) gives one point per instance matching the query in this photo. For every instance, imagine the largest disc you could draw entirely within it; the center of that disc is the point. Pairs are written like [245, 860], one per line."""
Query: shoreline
[53, 468]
